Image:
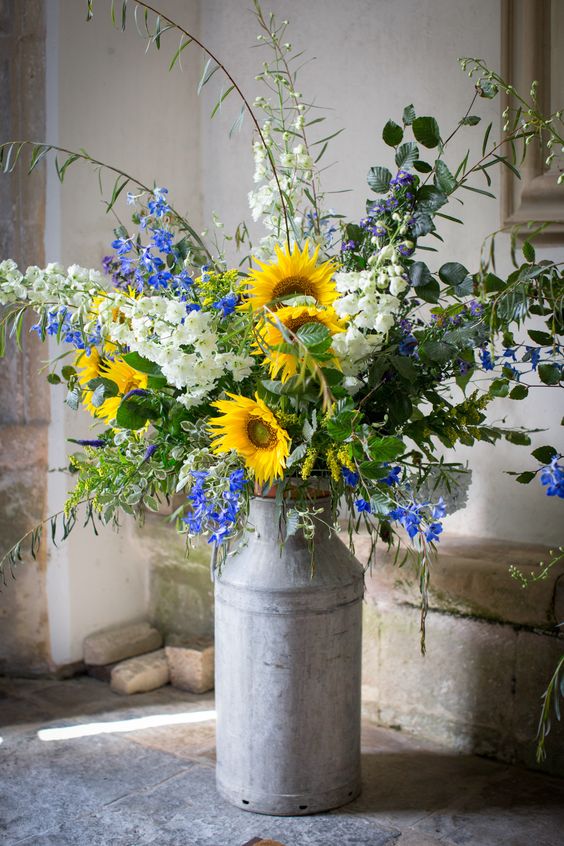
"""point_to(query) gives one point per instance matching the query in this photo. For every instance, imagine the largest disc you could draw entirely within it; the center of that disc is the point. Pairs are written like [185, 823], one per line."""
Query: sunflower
[295, 273]
[271, 334]
[250, 428]
[117, 370]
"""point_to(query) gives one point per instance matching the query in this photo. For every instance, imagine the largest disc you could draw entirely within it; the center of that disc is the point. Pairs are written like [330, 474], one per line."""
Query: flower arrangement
[332, 359]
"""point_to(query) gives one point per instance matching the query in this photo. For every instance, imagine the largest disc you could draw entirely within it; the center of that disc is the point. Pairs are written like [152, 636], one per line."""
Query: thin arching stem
[239, 91]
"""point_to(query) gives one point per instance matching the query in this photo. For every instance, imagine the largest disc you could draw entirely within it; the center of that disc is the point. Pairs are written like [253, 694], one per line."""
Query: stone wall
[491, 649]
[24, 396]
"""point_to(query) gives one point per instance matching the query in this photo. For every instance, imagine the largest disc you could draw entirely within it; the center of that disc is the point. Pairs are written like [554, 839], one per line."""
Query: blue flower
[160, 279]
[122, 245]
[347, 245]
[95, 443]
[226, 304]
[440, 509]
[408, 346]
[510, 353]
[162, 239]
[158, 206]
[393, 476]
[552, 477]
[533, 354]
[350, 477]
[237, 481]
[363, 505]
[486, 360]
[433, 532]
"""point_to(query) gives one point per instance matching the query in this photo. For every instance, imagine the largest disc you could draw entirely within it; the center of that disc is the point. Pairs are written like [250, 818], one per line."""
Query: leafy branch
[214, 64]
[10, 152]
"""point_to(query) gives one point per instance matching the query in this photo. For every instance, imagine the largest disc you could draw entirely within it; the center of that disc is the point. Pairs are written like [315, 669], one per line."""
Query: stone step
[119, 642]
[191, 664]
[138, 675]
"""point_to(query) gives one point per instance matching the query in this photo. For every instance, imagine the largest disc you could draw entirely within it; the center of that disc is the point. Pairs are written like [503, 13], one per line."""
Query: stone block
[119, 642]
[191, 665]
[459, 693]
[138, 675]
[471, 578]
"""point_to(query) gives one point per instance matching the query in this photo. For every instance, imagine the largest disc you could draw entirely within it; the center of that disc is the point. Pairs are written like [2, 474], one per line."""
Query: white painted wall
[373, 58]
[107, 96]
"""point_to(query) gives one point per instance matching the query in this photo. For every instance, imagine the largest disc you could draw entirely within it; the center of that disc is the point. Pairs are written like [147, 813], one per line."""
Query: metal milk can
[288, 670]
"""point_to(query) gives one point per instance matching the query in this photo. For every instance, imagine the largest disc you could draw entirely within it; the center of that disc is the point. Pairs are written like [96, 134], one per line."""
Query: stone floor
[155, 785]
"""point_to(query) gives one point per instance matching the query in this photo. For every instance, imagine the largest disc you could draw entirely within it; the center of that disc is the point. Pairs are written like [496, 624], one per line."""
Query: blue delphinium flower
[158, 206]
[486, 360]
[226, 304]
[162, 239]
[350, 477]
[122, 245]
[362, 505]
[533, 354]
[393, 477]
[159, 279]
[433, 532]
[439, 509]
[552, 477]
[216, 516]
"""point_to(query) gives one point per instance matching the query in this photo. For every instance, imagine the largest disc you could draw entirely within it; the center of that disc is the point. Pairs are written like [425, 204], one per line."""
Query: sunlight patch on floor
[117, 726]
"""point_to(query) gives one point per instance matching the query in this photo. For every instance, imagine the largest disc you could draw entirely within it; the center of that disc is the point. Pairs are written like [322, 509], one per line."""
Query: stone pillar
[24, 395]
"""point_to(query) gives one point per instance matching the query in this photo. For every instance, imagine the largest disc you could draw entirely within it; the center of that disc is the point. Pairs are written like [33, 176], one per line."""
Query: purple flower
[86, 443]
[136, 392]
[150, 451]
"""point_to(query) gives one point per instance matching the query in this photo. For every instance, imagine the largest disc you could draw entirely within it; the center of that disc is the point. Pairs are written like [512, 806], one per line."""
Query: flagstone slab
[119, 642]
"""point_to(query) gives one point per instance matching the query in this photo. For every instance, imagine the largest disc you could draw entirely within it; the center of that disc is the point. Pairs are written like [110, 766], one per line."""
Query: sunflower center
[294, 323]
[293, 285]
[261, 434]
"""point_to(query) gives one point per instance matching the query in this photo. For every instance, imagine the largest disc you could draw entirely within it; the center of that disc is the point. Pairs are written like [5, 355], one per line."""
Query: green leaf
[315, 337]
[408, 115]
[519, 392]
[430, 292]
[419, 274]
[544, 339]
[109, 387]
[379, 179]
[493, 284]
[526, 477]
[67, 372]
[430, 199]
[392, 134]
[143, 365]
[54, 379]
[437, 351]
[296, 455]
[405, 367]
[544, 454]
[373, 470]
[470, 120]
[528, 251]
[385, 448]
[134, 412]
[426, 131]
[518, 438]
[73, 399]
[453, 273]
[444, 180]
[422, 167]
[499, 388]
[550, 374]
[406, 154]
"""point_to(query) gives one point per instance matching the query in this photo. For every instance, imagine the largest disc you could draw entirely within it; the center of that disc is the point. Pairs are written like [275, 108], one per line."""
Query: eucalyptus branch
[172, 24]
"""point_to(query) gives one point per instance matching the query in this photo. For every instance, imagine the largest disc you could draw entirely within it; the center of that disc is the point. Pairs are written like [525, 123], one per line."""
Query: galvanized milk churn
[288, 660]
